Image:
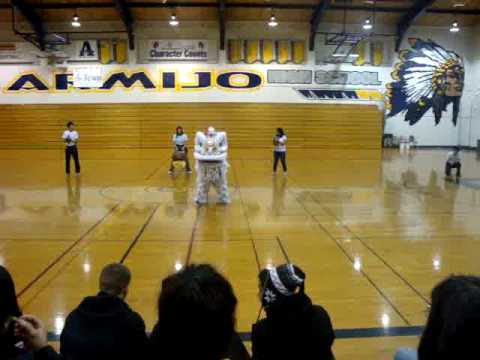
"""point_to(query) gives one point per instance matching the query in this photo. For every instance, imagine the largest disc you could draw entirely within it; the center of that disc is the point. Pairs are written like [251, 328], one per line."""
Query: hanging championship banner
[266, 51]
[174, 50]
[82, 50]
[87, 77]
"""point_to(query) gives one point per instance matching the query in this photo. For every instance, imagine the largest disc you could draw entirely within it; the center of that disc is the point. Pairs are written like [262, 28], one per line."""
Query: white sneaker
[170, 172]
[284, 173]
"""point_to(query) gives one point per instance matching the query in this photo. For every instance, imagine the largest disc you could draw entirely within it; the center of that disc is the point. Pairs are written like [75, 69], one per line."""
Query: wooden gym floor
[373, 235]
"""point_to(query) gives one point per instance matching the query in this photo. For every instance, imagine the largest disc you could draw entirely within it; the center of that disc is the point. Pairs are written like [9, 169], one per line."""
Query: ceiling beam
[417, 10]
[222, 23]
[33, 19]
[317, 17]
[253, 5]
[127, 19]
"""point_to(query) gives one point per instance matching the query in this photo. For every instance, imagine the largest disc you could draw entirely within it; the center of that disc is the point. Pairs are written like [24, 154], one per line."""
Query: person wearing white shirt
[70, 138]
[280, 150]
[180, 140]
[454, 161]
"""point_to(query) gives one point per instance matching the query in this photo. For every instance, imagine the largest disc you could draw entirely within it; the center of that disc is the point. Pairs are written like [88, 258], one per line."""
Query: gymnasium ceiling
[388, 11]
[399, 13]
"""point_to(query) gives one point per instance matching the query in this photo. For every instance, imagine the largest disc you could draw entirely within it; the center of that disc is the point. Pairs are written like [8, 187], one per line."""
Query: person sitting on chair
[453, 162]
[180, 153]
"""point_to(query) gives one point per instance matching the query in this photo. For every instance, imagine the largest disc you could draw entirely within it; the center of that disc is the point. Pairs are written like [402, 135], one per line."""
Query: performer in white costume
[211, 164]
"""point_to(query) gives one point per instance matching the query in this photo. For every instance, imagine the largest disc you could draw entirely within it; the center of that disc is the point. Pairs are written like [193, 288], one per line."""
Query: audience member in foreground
[452, 328]
[196, 317]
[104, 326]
[294, 328]
[9, 311]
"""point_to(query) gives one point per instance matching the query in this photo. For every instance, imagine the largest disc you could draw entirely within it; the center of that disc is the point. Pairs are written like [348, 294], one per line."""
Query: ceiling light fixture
[367, 24]
[173, 20]
[273, 21]
[76, 20]
[455, 27]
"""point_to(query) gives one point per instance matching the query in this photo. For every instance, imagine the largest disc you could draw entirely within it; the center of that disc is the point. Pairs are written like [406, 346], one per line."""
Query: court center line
[152, 174]
[139, 234]
[66, 251]
[347, 255]
[379, 257]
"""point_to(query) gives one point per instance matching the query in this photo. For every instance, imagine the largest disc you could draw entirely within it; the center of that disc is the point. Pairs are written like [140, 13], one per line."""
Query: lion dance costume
[211, 165]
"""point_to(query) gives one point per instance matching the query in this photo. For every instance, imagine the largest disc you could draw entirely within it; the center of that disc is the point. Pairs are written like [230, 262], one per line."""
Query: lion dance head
[427, 76]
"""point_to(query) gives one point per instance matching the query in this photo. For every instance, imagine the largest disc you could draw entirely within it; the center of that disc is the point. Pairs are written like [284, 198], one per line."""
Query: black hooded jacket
[103, 327]
[293, 329]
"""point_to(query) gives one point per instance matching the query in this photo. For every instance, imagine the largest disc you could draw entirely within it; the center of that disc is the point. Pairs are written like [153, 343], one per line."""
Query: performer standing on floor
[70, 138]
[280, 150]
[180, 153]
[211, 155]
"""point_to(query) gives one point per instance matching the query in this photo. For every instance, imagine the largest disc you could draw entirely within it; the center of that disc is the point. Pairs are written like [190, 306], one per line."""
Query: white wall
[466, 133]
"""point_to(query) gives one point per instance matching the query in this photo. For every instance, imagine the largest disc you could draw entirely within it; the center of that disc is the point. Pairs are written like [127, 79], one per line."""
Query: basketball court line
[283, 249]
[152, 174]
[66, 251]
[342, 249]
[340, 334]
[192, 237]
[245, 215]
[378, 256]
[139, 234]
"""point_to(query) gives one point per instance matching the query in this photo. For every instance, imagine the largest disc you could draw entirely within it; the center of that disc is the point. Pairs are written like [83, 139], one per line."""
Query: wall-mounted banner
[113, 51]
[370, 51]
[266, 51]
[289, 76]
[17, 53]
[174, 50]
[92, 78]
[82, 50]
[346, 95]
[427, 76]
[87, 77]
[347, 78]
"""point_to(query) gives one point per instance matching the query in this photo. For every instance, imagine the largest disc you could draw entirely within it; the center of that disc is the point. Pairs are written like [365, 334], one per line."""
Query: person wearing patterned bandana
[294, 328]
[211, 165]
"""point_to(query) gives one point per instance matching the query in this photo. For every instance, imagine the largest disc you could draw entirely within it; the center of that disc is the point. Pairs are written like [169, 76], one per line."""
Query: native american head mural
[427, 76]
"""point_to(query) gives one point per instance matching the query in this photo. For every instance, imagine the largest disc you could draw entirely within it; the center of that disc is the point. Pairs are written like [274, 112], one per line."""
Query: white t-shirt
[280, 143]
[180, 140]
[72, 136]
[453, 158]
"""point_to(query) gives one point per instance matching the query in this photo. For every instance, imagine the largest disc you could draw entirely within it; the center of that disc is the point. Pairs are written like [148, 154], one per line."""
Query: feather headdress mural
[427, 77]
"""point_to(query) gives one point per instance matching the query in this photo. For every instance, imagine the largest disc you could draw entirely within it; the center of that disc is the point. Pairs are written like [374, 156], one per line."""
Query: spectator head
[8, 302]
[280, 132]
[179, 130]
[115, 280]
[280, 283]
[71, 125]
[452, 327]
[196, 313]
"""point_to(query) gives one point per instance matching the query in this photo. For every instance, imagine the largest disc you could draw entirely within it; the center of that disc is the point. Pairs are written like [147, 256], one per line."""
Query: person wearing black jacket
[294, 328]
[9, 311]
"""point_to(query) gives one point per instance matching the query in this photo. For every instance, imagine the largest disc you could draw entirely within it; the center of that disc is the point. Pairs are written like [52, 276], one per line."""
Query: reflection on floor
[373, 235]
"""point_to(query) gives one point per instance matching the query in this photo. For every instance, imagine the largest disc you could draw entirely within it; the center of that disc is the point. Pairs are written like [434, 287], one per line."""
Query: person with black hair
[180, 152]
[70, 138]
[453, 162]
[294, 328]
[196, 317]
[280, 150]
[104, 326]
[451, 332]
[9, 312]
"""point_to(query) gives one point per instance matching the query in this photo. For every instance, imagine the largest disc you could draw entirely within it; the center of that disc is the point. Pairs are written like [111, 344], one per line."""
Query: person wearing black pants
[454, 161]
[70, 137]
[280, 150]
